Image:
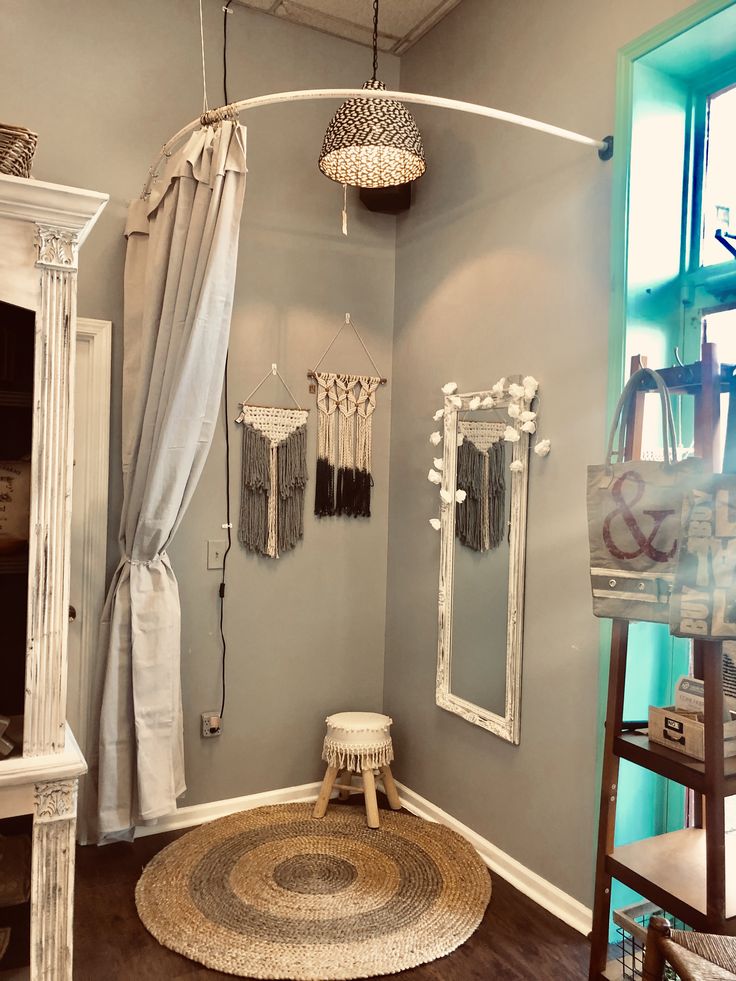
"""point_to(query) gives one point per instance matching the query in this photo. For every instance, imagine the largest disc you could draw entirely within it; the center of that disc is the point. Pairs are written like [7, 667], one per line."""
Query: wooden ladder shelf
[690, 873]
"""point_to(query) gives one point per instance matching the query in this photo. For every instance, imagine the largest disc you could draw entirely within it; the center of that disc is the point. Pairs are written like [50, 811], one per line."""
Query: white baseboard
[542, 892]
[188, 817]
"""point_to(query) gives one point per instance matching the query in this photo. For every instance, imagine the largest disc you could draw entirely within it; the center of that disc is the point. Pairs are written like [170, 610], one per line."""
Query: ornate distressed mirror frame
[506, 726]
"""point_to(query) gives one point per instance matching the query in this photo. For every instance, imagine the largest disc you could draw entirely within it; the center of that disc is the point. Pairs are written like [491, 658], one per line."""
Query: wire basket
[631, 926]
[17, 148]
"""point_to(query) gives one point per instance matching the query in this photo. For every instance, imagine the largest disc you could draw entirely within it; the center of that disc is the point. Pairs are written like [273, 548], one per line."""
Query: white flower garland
[523, 418]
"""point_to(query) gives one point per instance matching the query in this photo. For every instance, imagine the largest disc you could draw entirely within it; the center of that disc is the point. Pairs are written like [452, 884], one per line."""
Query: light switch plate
[215, 551]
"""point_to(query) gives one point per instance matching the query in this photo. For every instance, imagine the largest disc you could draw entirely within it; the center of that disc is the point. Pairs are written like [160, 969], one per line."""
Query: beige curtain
[179, 283]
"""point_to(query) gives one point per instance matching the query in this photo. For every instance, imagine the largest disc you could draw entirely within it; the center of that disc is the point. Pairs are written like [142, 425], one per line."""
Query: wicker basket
[17, 147]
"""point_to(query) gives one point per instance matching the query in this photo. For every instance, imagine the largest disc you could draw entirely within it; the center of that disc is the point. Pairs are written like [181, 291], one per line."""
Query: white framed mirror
[483, 518]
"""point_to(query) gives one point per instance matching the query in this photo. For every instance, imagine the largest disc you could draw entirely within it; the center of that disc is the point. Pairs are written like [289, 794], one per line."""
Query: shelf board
[670, 870]
[686, 770]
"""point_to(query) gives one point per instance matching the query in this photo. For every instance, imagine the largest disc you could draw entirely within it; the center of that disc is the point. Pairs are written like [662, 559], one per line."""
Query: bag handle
[621, 413]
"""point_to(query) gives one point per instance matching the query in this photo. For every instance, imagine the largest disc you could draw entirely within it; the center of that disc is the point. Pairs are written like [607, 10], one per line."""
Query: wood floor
[517, 940]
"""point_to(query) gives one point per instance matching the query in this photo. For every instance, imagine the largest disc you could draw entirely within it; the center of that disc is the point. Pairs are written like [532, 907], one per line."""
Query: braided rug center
[314, 874]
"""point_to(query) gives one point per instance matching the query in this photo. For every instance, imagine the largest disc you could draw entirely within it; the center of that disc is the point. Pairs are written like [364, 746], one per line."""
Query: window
[718, 212]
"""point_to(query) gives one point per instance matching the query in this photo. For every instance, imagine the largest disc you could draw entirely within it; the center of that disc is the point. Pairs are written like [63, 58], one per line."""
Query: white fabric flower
[529, 427]
[511, 435]
[460, 496]
[434, 477]
[527, 416]
[514, 410]
[445, 495]
[498, 388]
[436, 523]
[487, 402]
[543, 447]
[516, 391]
[456, 401]
[436, 438]
[516, 466]
[474, 403]
[450, 388]
[531, 385]
[439, 463]
[438, 415]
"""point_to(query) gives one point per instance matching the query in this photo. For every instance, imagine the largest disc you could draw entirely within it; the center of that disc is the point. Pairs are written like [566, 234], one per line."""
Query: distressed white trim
[542, 892]
[89, 509]
[188, 817]
[508, 725]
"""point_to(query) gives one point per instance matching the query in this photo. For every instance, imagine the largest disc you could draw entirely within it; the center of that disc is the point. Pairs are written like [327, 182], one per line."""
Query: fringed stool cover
[358, 742]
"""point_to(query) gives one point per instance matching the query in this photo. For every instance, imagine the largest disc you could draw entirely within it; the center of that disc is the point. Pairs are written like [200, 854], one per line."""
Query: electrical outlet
[211, 724]
[215, 552]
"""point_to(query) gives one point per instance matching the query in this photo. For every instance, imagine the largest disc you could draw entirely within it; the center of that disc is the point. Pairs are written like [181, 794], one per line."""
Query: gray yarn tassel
[292, 469]
[479, 520]
[497, 492]
[256, 486]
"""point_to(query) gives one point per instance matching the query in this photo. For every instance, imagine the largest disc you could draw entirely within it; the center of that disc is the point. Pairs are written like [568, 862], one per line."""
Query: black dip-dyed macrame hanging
[345, 404]
[481, 472]
[274, 475]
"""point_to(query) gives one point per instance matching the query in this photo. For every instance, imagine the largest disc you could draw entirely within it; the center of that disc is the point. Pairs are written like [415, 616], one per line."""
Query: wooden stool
[358, 742]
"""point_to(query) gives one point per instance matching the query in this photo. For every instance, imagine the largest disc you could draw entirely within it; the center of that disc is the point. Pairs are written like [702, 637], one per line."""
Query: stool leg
[345, 778]
[390, 787]
[320, 808]
[371, 804]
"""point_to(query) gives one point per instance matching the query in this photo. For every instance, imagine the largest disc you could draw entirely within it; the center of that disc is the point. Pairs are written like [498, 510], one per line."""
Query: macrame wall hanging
[345, 404]
[274, 475]
[480, 520]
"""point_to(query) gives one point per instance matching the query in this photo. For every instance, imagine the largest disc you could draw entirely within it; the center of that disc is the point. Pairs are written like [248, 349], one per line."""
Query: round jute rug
[273, 893]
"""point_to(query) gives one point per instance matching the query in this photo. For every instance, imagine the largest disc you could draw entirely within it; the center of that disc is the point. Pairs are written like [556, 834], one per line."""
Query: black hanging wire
[375, 39]
[226, 421]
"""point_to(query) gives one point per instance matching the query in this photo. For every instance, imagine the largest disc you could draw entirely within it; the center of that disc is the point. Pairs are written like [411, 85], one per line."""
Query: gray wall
[502, 267]
[104, 84]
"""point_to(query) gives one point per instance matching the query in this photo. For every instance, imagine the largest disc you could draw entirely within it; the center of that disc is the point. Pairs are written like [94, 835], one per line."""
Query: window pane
[719, 186]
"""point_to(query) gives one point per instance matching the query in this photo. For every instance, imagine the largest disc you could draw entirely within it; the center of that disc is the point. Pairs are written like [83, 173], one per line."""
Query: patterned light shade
[372, 143]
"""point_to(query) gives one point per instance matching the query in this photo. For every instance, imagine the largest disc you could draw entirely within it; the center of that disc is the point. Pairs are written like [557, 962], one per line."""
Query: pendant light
[372, 142]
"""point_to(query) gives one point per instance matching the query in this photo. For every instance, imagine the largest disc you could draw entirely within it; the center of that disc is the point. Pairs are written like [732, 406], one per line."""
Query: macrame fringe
[480, 519]
[292, 470]
[256, 487]
[324, 490]
[357, 758]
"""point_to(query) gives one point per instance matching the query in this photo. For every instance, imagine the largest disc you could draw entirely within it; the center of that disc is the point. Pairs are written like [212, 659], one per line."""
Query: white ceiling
[401, 23]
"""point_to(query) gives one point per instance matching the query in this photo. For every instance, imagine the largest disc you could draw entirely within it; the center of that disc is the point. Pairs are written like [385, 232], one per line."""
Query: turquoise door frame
[651, 239]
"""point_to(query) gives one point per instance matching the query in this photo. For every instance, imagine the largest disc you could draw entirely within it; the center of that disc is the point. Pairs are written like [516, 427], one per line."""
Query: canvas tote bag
[634, 510]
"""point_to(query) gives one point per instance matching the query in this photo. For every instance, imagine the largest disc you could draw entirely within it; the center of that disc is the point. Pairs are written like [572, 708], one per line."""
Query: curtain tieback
[158, 557]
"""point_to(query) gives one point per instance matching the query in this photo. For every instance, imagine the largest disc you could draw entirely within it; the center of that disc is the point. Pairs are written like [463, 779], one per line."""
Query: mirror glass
[484, 482]
[481, 574]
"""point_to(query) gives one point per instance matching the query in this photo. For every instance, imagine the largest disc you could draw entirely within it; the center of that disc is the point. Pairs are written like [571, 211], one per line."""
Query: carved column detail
[57, 248]
[52, 460]
[52, 881]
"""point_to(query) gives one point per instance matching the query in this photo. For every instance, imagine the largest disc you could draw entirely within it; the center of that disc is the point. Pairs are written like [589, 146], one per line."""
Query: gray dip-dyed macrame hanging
[346, 404]
[480, 521]
[274, 475]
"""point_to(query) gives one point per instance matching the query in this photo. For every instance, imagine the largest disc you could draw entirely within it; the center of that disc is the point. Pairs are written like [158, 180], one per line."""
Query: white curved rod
[416, 98]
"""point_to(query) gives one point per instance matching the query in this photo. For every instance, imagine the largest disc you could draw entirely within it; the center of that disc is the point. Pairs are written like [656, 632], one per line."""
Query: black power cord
[226, 421]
